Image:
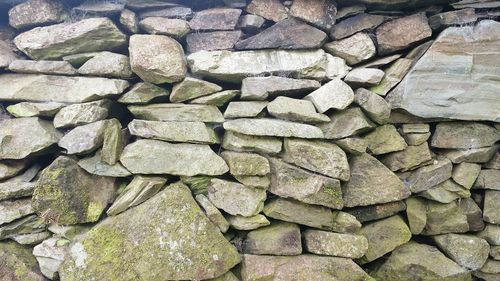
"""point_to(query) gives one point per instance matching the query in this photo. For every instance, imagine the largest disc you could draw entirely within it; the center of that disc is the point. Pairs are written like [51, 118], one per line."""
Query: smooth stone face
[354, 145]
[218, 99]
[491, 207]
[176, 12]
[445, 218]
[215, 19]
[295, 110]
[235, 66]
[34, 109]
[416, 213]
[18, 263]
[335, 244]
[37, 12]
[320, 13]
[355, 24]
[50, 254]
[82, 113]
[157, 59]
[211, 41]
[213, 214]
[191, 132]
[464, 135]
[96, 166]
[280, 239]
[84, 139]
[431, 264]
[241, 109]
[288, 181]
[286, 34]
[178, 112]
[114, 139]
[321, 157]
[240, 142]
[107, 64]
[272, 10]
[129, 21]
[346, 123]
[247, 223]
[235, 198]
[405, 160]
[384, 139]
[488, 179]
[10, 168]
[393, 75]
[171, 27]
[446, 62]
[373, 105]
[354, 49]
[466, 174]
[371, 183]
[147, 250]
[48, 88]
[272, 127]
[246, 164]
[66, 194]
[12, 210]
[334, 94]
[468, 251]
[260, 88]
[42, 67]
[56, 41]
[428, 176]
[154, 157]
[364, 77]
[22, 137]
[302, 267]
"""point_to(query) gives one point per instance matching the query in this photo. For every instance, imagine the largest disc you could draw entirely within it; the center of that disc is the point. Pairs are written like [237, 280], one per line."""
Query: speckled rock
[82, 113]
[18, 263]
[280, 239]
[246, 164]
[346, 123]
[176, 28]
[175, 131]
[272, 127]
[178, 112]
[335, 244]
[37, 12]
[235, 198]
[334, 94]
[467, 250]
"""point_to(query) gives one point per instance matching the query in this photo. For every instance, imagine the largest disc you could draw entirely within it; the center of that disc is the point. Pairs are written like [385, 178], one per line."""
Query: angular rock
[10, 168]
[376, 212]
[215, 19]
[157, 59]
[90, 7]
[295, 110]
[176, 28]
[373, 105]
[211, 41]
[458, 17]
[468, 251]
[317, 156]
[354, 49]
[82, 113]
[212, 213]
[320, 13]
[46, 88]
[96, 166]
[37, 12]
[27, 225]
[393, 75]
[178, 131]
[288, 181]
[272, 127]
[218, 99]
[335, 244]
[22, 137]
[84, 139]
[381, 62]
[491, 207]
[16, 209]
[446, 192]
[178, 112]
[285, 34]
[279, 239]
[176, 12]
[466, 174]
[191, 159]
[247, 223]
[42, 67]
[355, 24]
[107, 64]
[79, 59]
[334, 94]
[384, 139]
[350, 11]
[408, 159]
[241, 109]
[445, 218]
[66, 194]
[488, 179]
[364, 77]
[31, 238]
[50, 254]
[235, 198]
[473, 213]
[246, 164]
[269, 9]
[113, 143]
[56, 41]
[251, 23]
[260, 88]
[7, 56]
[129, 21]
[464, 135]
[428, 176]
[416, 212]
[346, 123]
[19, 186]
[354, 145]
[162, 236]
[34, 109]
[241, 142]
[18, 263]
[491, 233]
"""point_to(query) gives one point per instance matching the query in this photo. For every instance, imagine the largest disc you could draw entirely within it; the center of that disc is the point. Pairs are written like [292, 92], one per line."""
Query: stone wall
[250, 140]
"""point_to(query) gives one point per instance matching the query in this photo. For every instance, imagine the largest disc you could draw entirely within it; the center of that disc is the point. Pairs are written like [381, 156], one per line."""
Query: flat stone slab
[273, 127]
[178, 112]
[181, 131]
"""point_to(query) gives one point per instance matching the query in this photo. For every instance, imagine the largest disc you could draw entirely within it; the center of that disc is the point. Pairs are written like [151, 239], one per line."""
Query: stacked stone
[250, 140]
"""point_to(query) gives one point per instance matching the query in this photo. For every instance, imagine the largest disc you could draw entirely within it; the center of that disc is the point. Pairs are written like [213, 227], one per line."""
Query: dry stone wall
[250, 140]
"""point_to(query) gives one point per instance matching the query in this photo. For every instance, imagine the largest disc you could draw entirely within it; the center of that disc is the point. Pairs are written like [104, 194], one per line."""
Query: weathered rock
[81, 114]
[466, 174]
[42, 67]
[491, 207]
[260, 88]
[428, 176]
[431, 264]
[415, 128]
[373, 105]
[22, 137]
[393, 75]
[7, 56]
[235, 198]
[191, 159]
[355, 24]
[445, 218]
[415, 138]
[446, 192]
[178, 131]
[215, 19]
[161, 235]
[371, 183]
[94, 8]
[416, 212]
[384, 139]
[31, 238]
[286, 34]
[295, 110]
[384, 236]
[350, 11]
[241, 142]
[473, 155]
[12, 210]
[491, 233]
[473, 213]
[494, 162]
[66, 194]
[408, 159]
[364, 77]
[247, 223]
[279, 239]
[346, 123]
[10, 168]
[79, 59]
[27, 225]
[18, 263]
[96, 166]
[302, 267]
[177, 28]
[176, 12]
[50, 254]
[157, 59]
[488, 179]
[334, 94]
[56, 41]
[19, 186]
[34, 109]
[468, 251]
[211, 41]
[128, 19]
[246, 164]
[217, 99]
[381, 62]
[464, 135]
[212, 213]
[495, 252]
[451, 18]
[241, 109]
[178, 112]
[272, 127]
[317, 156]
[335, 244]
[320, 13]
[45, 88]
[107, 64]
[268, 9]
[251, 23]
[84, 139]
[114, 139]
[439, 67]
[354, 49]
[37, 12]
[354, 145]
[288, 181]
[235, 66]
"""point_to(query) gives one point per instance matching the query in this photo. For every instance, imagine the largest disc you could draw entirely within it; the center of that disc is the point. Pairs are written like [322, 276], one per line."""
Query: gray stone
[15, 209]
[279, 239]
[272, 10]
[494, 162]
[415, 128]
[34, 109]
[491, 207]
[212, 213]
[416, 213]
[18, 263]
[320, 13]
[488, 179]
[376, 212]
[355, 49]
[191, 159]
[22, 137]
[241, 109]
[373, 105]
[393, 75]
[334, 94]
[96, 166]
[37, 12]
[247, 223]
[50, 254]
[491, 233]
[176, 28]
[178, 112]
[113, 143]
[473, 212]
[19, 186]
[473, 155]
[215, 19]
[260, 88]
[335, 244]
[107, 64]
[84, 139]
[157, 58]
[354, 145]
[178, 131]
[355, 24]
[445, 218]
[381, 62]
[10, 168]
[428, 176]
[27, 225]
[407, 159]
[246, 164]
[295, 110]
[241, 142]
[79, 59]
[235, 198]
[416, 139]
[176, 12]
[211, 41]
[82, 113]
[495, 252]
[218, 99]
[272, 127]
[468, 251]
[42, 67]
[7, 56]
[128, 19]
[464, 135]
[346, 123]
[96, 8]
[56, 41]
[350, 11]
[466, 174]
[364, 77]
[446, 192]
[384, 139]
[251, 23]
[31, 238]
[458, 17]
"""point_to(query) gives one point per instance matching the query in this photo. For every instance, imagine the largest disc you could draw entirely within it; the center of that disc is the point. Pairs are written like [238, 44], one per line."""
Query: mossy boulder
[18, 264]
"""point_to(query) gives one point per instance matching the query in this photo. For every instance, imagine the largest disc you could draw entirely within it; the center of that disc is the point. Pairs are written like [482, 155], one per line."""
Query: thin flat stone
[355, 24]
[272, 10]
[260, 88]
[34, 109]
[178, 112]
[94, 165]
[346, 123]
[247, 223]
[242, 109]
[241, 142]
[143, 93]
[235, 198]
[215, 19]
[82, 113]
[334, 94]
[211, 41]
[272, 127]
[175, 131]
[428, 176]
[16, 209]
[42, 67]
[218, 99]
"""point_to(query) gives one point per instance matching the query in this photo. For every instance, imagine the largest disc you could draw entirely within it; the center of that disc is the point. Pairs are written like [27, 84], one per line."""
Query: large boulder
[37, 12]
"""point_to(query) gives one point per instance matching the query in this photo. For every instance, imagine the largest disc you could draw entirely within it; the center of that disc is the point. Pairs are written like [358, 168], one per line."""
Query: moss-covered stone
[235, 198]
[384, 139]
[279, 239]
[18, 264]
[467, 250]
[246, 164]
